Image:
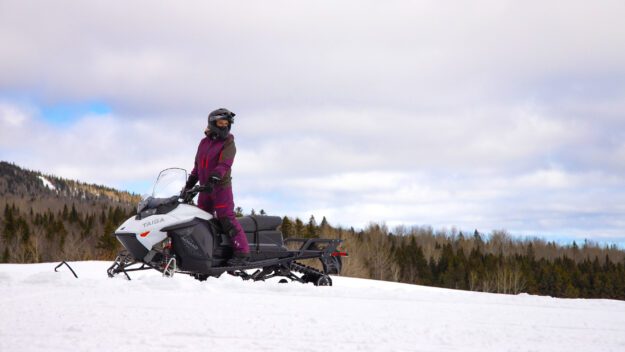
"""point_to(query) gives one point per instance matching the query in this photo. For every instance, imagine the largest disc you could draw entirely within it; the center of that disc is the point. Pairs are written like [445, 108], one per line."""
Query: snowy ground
[41, 310]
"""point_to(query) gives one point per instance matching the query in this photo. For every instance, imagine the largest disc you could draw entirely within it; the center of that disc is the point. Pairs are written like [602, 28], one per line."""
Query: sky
[480, 115]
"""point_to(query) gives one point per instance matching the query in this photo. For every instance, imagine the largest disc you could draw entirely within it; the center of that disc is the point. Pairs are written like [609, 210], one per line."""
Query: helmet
[220, 114]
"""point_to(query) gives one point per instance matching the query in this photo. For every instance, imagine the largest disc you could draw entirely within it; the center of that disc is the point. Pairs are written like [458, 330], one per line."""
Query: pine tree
[311, 228]
[324, 223]
[9, 224]
[6, 257]
[421, 264]
[477, 238]
[73, 215]
[61, 232]
[25, 231]
[324, 228]
[299, 228]
[287, 227]
[107, 241]
[238, 212]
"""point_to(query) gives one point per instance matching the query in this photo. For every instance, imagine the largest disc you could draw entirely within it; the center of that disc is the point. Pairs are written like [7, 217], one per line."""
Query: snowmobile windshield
[165, 194]
[169, 183]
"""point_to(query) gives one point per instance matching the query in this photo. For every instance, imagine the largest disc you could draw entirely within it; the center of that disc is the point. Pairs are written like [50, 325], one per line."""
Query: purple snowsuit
[215, 157]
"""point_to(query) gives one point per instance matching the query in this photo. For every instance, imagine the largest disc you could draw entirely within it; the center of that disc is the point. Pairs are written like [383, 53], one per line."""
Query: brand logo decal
[189, 242]
[153, 222]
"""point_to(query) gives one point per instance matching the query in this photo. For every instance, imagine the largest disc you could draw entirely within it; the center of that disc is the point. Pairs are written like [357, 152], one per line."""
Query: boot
[239, 259]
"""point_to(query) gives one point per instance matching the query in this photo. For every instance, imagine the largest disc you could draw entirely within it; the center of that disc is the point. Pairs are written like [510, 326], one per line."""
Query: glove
[214, 179]
[191, 181]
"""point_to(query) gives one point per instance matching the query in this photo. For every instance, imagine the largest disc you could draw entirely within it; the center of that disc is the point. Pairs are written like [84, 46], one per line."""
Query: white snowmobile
[170, 234]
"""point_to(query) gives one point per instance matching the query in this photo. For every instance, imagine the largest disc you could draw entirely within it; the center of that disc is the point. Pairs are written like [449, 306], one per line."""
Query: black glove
[191, 181]
[214, 179]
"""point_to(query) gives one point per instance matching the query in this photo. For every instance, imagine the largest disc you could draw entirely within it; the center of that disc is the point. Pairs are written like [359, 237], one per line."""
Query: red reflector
[145, 234]
[339, 254]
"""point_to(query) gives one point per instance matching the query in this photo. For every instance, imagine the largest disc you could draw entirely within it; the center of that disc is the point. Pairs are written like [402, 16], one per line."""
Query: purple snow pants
[221, 203]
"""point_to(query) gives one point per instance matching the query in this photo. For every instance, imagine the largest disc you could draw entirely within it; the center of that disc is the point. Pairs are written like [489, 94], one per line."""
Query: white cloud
[105, 149]
[12, 116]
[493, 114]
[399, 54]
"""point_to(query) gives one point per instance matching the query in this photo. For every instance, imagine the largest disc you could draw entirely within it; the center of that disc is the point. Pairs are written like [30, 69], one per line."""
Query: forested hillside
[45, 218]
[494, 262]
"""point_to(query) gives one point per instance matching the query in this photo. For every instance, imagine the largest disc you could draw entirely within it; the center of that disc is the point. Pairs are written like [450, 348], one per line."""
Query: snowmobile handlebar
[187, 195]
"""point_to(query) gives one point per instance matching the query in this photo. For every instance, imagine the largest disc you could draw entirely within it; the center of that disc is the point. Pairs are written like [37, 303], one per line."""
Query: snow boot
[239, 259]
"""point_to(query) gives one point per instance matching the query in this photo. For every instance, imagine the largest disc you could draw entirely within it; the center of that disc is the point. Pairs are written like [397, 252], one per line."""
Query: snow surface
[47, 183]
[41, 310]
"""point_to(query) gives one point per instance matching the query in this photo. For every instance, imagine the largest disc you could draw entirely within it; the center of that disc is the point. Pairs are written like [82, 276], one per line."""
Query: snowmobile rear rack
[330, 255]
[312, 245]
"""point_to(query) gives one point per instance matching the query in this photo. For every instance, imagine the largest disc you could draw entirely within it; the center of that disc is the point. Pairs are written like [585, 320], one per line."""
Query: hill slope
[44, 310]
[46, 218]
[17, 182]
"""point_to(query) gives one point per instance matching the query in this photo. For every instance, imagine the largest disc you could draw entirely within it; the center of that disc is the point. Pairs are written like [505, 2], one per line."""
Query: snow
[43, 310]
[47, 183]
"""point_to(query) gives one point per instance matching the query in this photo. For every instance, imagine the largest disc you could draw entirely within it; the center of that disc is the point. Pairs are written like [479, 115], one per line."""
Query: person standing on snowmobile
[213, 163]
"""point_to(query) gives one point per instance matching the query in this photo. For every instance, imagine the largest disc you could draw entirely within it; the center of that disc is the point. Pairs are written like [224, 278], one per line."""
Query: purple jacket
[214, 156]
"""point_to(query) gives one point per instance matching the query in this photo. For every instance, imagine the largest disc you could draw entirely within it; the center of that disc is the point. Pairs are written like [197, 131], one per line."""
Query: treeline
[495, 263]
[68, 234]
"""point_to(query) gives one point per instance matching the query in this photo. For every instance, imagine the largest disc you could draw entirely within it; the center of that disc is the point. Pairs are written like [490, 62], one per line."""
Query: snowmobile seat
[253, 223]
[263, 236]
[266, 245]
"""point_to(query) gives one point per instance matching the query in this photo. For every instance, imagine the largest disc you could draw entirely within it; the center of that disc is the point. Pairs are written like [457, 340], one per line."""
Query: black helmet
[220, 114]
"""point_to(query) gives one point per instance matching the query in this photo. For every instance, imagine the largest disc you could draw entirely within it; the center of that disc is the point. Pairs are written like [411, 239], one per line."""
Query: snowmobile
[172, 235]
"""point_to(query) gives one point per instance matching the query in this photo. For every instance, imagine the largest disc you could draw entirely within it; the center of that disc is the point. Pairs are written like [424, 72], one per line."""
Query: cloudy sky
[475, 114]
